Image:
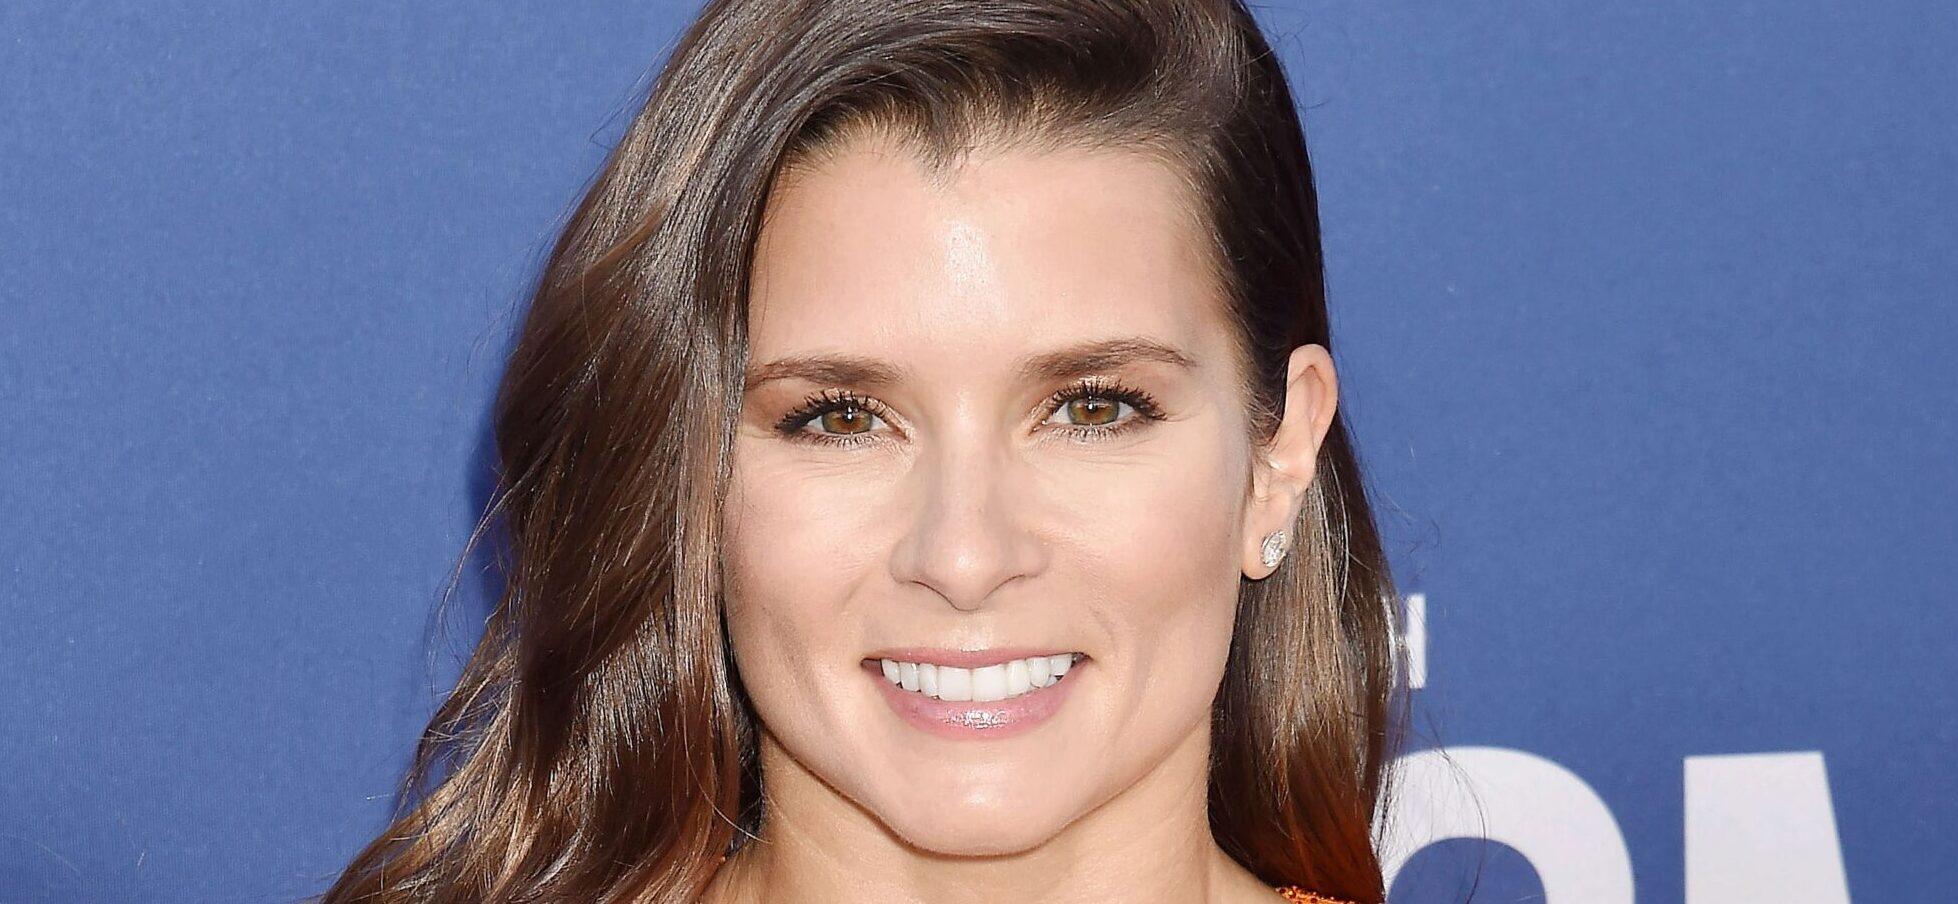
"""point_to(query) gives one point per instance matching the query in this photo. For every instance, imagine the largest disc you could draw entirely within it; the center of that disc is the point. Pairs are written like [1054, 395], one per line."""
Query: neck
[1149, 843]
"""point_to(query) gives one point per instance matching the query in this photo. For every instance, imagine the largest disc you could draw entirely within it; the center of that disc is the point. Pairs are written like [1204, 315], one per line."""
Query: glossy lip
[965, 659]
[970, 720]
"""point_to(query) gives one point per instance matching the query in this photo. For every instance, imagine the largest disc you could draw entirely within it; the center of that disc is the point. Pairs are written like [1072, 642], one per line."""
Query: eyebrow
[1066, 363]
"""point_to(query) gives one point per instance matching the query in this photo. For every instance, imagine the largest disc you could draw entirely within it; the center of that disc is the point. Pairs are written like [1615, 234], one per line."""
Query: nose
[967, 535]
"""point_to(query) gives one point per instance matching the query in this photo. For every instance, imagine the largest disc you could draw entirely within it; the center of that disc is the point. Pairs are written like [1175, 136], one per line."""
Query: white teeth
[954, 684]
[1017, 682]
[989, 683]
[985, 684]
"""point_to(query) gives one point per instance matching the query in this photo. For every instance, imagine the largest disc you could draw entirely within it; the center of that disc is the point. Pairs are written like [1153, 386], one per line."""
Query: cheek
[1162, 525]
[1156, 541]
[788, 576]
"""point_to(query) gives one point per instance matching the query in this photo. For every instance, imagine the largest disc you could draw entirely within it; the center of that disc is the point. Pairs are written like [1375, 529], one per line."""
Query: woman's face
[987, 423]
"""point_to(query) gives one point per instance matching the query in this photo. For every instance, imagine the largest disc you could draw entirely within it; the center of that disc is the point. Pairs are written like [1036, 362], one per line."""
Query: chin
[985, 825]
[968, 840]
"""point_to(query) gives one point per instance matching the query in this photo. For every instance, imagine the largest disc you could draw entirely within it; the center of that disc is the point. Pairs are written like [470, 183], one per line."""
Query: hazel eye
[1092, 411]
[1098, 408]
[845, 421]
[838, 416]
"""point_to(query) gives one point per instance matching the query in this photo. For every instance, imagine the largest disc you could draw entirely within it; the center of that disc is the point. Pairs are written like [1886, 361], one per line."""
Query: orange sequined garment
[1299, 895]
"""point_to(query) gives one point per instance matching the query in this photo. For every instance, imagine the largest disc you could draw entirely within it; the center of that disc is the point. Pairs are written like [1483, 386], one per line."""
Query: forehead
[1016, 247]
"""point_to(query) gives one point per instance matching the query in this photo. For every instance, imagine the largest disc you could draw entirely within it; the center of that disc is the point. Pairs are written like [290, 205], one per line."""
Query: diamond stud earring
[1274, 548]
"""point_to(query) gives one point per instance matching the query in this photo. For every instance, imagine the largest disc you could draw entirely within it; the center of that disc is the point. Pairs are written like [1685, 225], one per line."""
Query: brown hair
[598, 746]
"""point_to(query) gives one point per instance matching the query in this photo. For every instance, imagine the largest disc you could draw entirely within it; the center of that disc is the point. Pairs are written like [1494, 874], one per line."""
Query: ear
[1283, 469]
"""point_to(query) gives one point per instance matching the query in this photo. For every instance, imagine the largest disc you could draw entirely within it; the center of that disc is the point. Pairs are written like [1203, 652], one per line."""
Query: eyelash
[830, 400]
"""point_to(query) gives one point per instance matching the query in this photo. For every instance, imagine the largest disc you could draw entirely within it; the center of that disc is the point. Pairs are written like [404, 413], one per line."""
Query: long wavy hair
[599, 746]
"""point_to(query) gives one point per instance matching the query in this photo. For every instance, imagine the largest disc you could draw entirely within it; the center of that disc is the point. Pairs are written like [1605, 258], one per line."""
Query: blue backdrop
[1643, 313]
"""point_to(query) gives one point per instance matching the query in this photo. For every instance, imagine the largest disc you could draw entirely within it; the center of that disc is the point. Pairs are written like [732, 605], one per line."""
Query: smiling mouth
[985, 684]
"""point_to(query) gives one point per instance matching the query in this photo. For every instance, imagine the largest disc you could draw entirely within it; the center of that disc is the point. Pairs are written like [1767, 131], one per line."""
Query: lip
[965, 659]
[970, 720]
